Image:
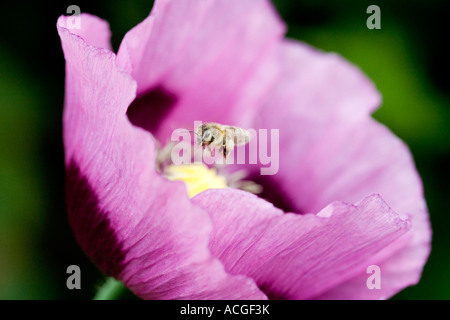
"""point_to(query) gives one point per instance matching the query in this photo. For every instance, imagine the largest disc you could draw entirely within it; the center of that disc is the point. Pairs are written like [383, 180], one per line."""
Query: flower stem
[110, 290]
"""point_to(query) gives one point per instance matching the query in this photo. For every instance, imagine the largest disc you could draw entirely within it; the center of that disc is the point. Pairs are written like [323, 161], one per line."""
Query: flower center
[196, 177]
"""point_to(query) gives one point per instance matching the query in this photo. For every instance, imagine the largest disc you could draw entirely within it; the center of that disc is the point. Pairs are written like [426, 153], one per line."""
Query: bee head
[204, 135]
[207, 135]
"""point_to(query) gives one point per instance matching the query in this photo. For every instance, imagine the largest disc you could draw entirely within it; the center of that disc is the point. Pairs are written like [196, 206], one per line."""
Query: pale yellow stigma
[196, 177]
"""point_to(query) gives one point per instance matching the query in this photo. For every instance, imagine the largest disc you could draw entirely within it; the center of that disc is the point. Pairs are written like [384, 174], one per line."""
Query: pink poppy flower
[351, 186]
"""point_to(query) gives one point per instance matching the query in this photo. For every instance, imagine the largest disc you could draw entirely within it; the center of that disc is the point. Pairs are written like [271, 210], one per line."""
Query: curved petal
[214, 56]
[331, 150]
[298, 256]
[135, 225]
[93, 30]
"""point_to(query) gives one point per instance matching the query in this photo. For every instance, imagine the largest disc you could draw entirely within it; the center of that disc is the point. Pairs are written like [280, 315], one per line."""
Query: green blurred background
[405, 58]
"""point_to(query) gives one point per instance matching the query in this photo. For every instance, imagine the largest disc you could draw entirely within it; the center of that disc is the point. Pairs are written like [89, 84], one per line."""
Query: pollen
[196, 177]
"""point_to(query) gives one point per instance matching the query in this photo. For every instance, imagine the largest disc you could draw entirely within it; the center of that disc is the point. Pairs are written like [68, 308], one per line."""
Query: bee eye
[206, 134]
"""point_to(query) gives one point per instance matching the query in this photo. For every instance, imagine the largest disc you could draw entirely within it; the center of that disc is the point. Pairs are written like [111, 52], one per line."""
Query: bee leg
[225, 152]
[208, 151]
[229, 145]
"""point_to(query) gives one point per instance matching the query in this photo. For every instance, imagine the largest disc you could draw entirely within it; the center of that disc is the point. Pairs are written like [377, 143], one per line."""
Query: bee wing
[229, 144]
[241, 136]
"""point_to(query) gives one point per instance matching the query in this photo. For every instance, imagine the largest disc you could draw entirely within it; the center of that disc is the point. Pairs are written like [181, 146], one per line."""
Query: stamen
[236, 180]
[197, 177]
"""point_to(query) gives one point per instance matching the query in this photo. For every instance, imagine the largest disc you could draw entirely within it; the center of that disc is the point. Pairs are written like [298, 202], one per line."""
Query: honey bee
[221, 137]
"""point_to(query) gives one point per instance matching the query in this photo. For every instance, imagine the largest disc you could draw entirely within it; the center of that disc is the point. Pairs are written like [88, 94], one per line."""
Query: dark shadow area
[90, 223]
[148, 110]
[272, 192]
